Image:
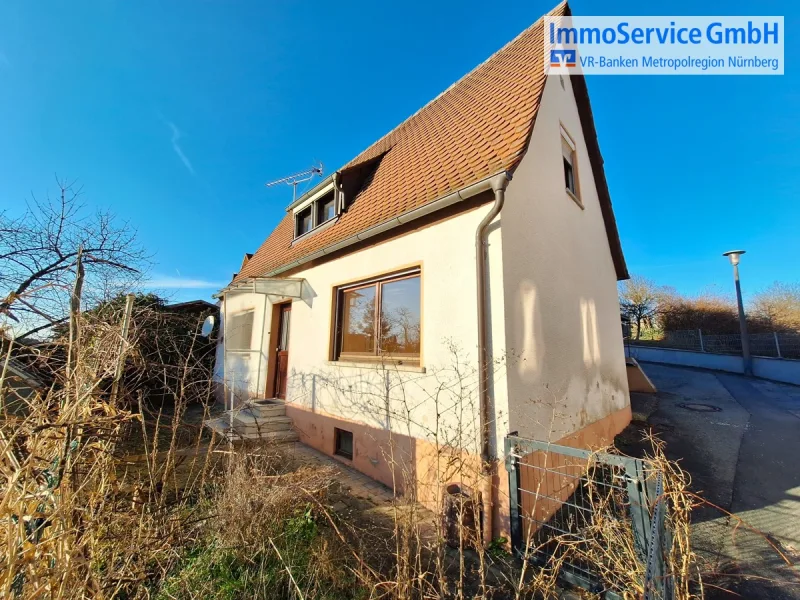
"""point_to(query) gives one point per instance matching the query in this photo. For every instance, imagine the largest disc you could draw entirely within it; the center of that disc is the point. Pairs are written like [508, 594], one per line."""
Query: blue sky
[174, 115]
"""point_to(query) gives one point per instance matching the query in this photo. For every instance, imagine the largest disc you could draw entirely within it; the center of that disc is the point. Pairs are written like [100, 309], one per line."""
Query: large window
[379, 319]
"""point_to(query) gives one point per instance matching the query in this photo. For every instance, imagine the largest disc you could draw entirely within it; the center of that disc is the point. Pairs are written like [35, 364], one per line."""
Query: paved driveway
[739, 438]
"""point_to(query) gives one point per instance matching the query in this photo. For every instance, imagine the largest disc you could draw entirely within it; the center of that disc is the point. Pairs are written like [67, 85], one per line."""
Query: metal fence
[774, 344]
[556, 495]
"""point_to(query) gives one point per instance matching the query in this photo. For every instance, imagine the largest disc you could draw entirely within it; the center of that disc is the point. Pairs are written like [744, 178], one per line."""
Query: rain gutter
[498, 185]
[463, 194]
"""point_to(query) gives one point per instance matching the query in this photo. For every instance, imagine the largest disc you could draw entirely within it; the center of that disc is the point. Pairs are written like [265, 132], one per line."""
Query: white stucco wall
[403, 400]
[561, 308]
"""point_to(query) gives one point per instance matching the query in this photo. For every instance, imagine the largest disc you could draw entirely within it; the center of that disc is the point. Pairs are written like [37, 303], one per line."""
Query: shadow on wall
[414, 432]
[244, 370]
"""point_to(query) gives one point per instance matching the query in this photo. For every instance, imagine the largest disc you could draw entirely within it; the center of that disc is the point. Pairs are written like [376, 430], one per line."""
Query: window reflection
[380, 319]
[358, 320]
[400, 319]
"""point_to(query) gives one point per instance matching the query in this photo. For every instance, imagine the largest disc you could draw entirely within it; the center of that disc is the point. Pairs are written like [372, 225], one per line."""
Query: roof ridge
[352, 162]
[478, 126]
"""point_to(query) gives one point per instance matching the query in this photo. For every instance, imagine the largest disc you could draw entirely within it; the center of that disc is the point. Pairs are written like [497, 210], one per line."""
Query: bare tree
[641, 300]
[778, 305]
[38, 253]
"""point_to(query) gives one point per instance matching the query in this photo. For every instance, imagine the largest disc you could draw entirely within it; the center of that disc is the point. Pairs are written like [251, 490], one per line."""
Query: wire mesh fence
[564, 500]
[773, 344]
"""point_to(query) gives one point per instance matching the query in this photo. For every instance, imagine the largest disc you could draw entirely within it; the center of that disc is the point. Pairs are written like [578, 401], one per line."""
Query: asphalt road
[739, 438]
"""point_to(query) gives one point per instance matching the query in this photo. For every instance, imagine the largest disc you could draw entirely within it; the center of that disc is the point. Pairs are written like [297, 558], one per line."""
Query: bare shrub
[79, 519]
[260, 491]
[38, 251]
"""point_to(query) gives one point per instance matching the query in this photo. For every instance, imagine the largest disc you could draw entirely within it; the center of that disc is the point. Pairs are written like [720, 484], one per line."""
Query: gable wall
[566, 371]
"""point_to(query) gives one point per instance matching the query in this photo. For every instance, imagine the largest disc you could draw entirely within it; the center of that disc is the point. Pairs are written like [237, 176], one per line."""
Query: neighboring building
[20, 386]
[368, 308]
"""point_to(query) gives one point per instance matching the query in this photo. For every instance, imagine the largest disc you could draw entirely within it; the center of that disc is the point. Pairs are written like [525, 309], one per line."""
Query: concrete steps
[277, 437]
[267, 408]
[261, 420]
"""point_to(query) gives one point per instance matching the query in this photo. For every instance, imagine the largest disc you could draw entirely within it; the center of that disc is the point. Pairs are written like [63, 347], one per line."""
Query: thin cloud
[176, 136]
[181, 283]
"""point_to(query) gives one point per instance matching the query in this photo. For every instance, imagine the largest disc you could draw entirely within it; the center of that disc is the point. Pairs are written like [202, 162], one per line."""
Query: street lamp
[733, 256]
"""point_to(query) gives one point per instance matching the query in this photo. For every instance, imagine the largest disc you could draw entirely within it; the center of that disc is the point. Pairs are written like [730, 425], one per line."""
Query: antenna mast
[300, 177]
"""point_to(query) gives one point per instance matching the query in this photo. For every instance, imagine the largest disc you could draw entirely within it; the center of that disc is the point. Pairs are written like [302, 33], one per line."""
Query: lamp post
[733, 256]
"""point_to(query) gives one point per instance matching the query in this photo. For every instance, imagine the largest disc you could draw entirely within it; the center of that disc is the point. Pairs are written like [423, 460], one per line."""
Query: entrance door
[282, 352]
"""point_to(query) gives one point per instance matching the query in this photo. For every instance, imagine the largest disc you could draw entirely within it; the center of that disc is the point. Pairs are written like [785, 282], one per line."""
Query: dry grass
[188, 518]
[83, 517]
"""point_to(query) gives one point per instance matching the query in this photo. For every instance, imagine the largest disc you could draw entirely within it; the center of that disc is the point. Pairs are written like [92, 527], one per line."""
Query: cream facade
[561, 305]
[554, 337]
[382, 401]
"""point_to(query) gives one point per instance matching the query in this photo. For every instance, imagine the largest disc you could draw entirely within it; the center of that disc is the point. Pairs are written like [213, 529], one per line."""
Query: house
[454, 282]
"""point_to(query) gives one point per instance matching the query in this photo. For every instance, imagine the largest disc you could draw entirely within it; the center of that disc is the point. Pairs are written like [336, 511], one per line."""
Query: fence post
[636, 480]
[777, 344]
[702, 346]
[514, 496]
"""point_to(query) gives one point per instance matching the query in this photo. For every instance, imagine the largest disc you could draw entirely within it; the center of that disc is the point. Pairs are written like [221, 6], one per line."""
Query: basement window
[570, 159]
[344, 443]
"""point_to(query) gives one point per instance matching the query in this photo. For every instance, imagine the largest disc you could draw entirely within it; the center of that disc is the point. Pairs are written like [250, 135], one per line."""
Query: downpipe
[488, 460]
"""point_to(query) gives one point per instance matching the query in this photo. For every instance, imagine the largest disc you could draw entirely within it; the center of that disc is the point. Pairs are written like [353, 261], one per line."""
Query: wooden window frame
[337, 436]
[315, 207]
[377, 356]
[565, 137]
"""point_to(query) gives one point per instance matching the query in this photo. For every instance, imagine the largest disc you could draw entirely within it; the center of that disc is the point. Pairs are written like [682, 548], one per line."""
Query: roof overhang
[285, 287]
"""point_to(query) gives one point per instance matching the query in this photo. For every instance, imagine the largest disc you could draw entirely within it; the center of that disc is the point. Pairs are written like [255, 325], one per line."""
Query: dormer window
[304, 222]
[315, 209]
[326, 208]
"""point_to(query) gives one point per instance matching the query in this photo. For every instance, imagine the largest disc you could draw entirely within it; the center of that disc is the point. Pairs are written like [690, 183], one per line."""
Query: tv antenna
[294, 180]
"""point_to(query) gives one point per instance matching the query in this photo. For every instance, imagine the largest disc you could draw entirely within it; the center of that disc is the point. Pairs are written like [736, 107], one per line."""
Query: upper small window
[570, 160]
[304, 221]
[315, 213]
[326, 208]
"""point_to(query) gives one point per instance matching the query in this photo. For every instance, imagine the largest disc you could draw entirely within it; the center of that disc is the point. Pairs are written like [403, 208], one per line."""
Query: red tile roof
[478, 127]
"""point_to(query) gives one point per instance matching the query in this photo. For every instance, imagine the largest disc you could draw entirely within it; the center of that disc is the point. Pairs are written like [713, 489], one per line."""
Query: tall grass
[114, 496]
[106, 496]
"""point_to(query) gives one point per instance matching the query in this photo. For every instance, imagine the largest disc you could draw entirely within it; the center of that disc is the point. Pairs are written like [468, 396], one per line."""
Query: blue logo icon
[563, 57]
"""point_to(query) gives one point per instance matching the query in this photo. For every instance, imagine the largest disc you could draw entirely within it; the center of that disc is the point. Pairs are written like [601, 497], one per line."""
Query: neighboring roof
[191, 306]
[22, 372]
[478, 127]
